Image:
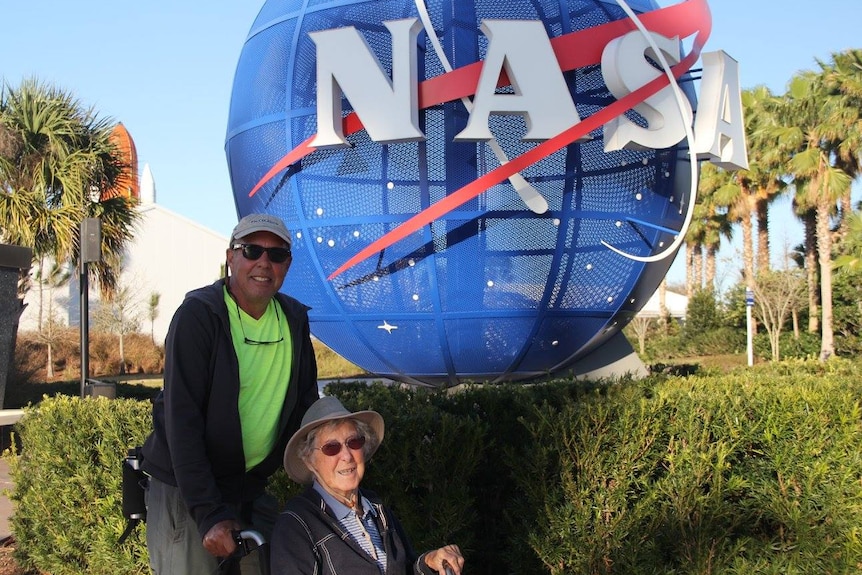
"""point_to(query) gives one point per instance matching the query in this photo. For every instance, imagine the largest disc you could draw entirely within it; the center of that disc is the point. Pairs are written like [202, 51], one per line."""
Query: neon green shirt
[264, 374]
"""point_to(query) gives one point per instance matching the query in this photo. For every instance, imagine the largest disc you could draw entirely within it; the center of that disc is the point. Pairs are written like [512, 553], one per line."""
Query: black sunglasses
[332, 448]
[254, 251]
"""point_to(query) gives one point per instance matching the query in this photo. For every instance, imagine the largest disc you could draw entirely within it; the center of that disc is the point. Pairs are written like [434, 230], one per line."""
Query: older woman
[334, 527]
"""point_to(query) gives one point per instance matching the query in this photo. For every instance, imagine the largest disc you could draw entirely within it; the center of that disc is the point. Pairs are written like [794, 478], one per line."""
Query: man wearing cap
[240, 373]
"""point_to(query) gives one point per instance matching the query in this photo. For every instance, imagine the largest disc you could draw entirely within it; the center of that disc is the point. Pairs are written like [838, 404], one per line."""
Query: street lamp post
[91, 251]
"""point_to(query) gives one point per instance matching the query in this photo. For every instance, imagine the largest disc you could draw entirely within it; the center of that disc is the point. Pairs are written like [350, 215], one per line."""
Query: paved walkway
[5, 504]
[7, 418]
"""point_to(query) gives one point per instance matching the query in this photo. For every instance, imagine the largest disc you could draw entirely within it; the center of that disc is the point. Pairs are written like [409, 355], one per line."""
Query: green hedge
[739, 475]
[67, 494]
[758, 471]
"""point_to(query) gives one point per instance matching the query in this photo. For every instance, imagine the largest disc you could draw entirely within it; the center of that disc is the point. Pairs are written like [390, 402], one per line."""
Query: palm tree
[814, 128]
[709, 225]
[717, 227]
[766, 172]
[748, 193]
[694, 250]
[53, 154]
[733, 194]
[851, 248]
[808, 215]
[844, 76]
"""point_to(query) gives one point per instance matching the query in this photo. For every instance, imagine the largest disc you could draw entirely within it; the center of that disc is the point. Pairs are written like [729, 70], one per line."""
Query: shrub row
[756, 471]
[31, 355]
[67, 485]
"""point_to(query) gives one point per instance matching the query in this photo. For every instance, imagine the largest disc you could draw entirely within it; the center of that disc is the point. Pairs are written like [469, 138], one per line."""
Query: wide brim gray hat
[323, 410]
[260, 223]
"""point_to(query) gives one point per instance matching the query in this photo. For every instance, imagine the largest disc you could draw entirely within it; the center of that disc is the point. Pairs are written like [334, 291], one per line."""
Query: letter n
[346, 66]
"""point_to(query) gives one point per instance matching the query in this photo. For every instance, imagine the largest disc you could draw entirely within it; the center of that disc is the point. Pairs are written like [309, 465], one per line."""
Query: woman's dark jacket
[309, 540]
[196, 442]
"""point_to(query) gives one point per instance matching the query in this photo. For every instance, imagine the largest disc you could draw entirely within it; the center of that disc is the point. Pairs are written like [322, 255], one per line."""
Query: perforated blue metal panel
[490, 290]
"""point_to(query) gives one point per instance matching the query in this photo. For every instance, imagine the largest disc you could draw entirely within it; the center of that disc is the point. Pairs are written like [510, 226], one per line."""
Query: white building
[675, 303]
[169, 255]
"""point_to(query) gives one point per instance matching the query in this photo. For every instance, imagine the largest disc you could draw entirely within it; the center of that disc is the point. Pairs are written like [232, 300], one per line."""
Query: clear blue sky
[165, 69]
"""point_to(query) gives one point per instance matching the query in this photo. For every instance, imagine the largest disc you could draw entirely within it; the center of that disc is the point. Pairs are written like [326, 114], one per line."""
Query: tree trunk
[810, 222]
[640, 325]
[795, 316]
[664, 319]
[709, 280]
[41, 275]
[697, 268]
[122, 354]
[762, 211]
[748, 273]
[49, 369]
[747, 251]
[775, 345]
[846, 208]
[824, 255]
[689, 269]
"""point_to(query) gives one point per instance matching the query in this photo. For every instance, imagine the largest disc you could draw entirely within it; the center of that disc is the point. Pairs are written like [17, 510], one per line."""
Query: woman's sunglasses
[254, 251]
[333, 448]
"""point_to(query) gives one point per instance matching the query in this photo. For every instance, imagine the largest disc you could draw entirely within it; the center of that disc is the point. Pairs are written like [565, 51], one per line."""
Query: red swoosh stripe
[573, 50]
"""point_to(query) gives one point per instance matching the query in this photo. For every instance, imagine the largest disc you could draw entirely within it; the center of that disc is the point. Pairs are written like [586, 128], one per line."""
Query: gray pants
[173, 542]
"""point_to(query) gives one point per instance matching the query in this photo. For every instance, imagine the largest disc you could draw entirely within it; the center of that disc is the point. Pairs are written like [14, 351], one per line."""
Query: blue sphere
[490, 290]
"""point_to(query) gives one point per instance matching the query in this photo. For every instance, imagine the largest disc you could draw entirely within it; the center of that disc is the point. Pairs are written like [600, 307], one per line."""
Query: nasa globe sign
[478, 191]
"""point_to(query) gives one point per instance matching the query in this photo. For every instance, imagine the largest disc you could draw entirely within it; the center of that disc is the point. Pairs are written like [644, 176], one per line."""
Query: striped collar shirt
[362, 529]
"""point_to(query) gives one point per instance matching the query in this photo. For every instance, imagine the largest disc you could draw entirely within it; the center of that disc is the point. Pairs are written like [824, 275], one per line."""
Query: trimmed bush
[68, 515]
[748, 473]
[807, 345]
[756, 471]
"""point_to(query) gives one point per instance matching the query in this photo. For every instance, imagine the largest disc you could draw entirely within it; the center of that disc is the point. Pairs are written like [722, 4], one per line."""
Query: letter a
[719, 128]
[523, 50]
[389, 110]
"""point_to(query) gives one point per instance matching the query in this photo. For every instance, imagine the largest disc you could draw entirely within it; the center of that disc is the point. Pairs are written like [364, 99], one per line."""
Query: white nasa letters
[523, 50]
[345, 63]
[720, 127]
[625, 69]
[389, 108]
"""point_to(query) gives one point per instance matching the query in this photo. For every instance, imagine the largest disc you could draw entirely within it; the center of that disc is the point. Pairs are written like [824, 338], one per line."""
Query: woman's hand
[448, 556]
